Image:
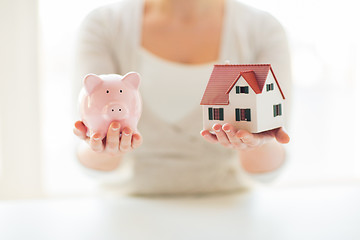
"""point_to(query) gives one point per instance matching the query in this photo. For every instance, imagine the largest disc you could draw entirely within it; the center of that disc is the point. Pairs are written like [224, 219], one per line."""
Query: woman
[173, 44]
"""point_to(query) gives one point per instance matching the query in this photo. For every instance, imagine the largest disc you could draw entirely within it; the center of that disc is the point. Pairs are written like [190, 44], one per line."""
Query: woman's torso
[174, 158]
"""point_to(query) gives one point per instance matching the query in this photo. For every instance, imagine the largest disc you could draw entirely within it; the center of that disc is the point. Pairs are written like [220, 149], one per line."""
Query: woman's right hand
[112, 144]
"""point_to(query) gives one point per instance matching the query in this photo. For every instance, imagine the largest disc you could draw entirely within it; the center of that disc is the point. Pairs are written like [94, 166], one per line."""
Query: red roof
[224, 77]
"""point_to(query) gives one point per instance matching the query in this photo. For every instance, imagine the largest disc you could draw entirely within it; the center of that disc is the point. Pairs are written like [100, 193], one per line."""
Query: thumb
[281, 136]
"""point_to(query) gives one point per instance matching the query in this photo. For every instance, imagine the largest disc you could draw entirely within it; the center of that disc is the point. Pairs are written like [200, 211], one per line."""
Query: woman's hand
[227, 136]
[258, 152]
[112, 144]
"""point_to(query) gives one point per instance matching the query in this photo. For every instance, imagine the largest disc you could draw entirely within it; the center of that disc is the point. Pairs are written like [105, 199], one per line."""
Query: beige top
[174, 158]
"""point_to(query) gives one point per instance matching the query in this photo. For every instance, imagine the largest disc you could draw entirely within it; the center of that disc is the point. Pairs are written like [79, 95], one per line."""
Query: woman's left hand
[227, 136]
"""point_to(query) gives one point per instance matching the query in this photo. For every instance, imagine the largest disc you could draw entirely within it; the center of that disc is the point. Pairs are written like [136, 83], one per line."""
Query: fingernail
[115, 126]
[137, 137]
[226, 129]
[216, 128]
[96, 136]
[127, 132]
[78, 125]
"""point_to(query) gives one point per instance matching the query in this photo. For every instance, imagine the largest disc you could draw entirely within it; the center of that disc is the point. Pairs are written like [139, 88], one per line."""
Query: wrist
[265, 158]
[101, 161]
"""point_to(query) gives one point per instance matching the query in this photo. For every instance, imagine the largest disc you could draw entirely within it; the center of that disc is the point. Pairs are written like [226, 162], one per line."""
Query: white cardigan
[175, 159]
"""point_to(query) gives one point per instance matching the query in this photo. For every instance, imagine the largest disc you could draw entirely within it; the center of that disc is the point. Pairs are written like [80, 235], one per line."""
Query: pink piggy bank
[108, 98]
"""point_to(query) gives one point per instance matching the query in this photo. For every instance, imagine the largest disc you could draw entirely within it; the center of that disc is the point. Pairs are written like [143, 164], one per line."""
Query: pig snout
[116, 111]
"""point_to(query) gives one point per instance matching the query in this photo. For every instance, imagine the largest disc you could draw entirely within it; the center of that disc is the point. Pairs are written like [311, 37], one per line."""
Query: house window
[244, 89]
[277, 110]
[243, 114]
[216, 114]
[270, 87]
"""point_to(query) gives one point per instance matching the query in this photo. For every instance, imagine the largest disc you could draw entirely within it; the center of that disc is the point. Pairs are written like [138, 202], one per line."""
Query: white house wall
[244, 101]
[240, 100]
[207, 124]
[265, 102]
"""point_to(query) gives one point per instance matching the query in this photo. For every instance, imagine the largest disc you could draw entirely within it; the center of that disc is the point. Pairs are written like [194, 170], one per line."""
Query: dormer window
[244, 89]
[269, 87]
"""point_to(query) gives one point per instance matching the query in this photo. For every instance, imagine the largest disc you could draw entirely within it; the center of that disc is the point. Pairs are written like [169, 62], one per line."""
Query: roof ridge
[224, 76]
[236, 65]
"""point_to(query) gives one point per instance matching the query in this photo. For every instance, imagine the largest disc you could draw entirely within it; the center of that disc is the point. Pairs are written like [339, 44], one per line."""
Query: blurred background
[37, 146]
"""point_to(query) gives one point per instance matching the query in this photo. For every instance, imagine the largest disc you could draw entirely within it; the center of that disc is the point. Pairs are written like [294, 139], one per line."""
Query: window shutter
[237, 114]
[270, 87]
[280, 111]
[221, 114]
[248, 114]
[274, 109]
[210, 114]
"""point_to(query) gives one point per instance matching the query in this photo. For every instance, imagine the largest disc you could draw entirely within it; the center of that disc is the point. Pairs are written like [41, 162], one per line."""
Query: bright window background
[60, 21]
[324, 128]
[1, 149]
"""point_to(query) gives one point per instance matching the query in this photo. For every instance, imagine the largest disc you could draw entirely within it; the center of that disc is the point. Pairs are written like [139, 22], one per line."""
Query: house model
[247, 96]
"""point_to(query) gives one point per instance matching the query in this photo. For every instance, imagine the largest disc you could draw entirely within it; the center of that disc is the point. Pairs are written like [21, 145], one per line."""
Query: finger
[136, 140]
[208, 136]
[221, 136]
[231, 135]
[80, 130]
[281, 136]
[248, 138]
[112, 137]
[125, 142]
[96, 143]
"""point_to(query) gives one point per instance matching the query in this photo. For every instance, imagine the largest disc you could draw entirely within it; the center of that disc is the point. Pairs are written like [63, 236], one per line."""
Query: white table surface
[321, 213]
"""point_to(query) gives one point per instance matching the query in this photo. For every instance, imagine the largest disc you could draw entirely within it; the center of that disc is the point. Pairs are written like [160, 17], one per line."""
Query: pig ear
[91, 81]
[133, 79]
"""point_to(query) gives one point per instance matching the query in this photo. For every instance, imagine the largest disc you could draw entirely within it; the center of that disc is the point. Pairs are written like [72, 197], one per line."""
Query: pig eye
[120, 91]
[107, 91]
